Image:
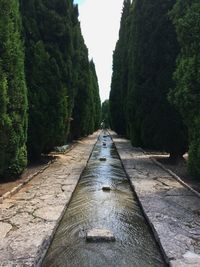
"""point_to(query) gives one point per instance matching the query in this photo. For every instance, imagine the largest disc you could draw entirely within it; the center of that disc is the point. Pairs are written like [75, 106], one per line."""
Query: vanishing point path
[101, 183]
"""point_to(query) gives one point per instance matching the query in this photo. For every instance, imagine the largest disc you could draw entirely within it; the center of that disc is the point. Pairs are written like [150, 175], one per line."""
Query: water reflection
[116, 210]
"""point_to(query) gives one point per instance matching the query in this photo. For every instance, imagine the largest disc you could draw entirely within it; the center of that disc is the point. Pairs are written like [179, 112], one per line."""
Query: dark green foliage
[13, 95]
[61, 81]
[106, 114]
[158, 124]
[150, 42]
[61, 86]
[86, 111]
[86, 106]
[96, 98]
[118, 93]
[48, 40]
[81, 110]
[186, 95]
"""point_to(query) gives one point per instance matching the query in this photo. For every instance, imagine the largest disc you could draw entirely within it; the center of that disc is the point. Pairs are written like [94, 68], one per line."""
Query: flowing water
[116, 210]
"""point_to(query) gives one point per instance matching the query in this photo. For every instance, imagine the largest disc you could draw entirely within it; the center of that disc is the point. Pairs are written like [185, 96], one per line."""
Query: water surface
[117, 210]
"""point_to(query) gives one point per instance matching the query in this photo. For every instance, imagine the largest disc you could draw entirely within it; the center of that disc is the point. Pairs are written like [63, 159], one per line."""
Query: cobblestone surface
[172, 210]
[29, 218]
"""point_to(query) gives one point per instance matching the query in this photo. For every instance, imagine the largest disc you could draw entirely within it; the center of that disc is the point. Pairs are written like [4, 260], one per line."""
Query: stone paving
[172, 210]
[29, 218]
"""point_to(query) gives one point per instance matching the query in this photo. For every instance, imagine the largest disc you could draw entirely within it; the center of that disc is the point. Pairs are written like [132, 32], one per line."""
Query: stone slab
[102, 159]
[100, 235]
[4, 229]
[172, 210]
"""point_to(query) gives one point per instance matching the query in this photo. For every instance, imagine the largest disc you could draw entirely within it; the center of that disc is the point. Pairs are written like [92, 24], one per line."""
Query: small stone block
[1, 200]
[14, 190]
[100, 235]
[106, 188]
[19, 186]
[102, 159]
[4, 229]
[6, 195]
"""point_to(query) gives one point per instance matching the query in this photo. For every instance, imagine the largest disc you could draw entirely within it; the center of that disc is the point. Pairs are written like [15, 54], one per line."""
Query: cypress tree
[186, 94]
[60, 84]
[119, 84]
[106, 114]
[152, 51]
[96, 98]
[81, 123]
[48, 39]
[13, 94]
[86, 101]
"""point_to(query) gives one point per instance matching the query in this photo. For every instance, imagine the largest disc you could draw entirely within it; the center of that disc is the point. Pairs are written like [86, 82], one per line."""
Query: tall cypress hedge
[63, 93]
[48, 39]
[151, 50]
[13, 93]
[82, 116]
[96, 98]
[60, 87]
[119, 85]
[186, 94]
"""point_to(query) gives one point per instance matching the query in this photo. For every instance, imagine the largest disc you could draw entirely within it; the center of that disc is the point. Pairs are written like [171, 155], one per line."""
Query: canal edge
[47, 242]
[152, 228]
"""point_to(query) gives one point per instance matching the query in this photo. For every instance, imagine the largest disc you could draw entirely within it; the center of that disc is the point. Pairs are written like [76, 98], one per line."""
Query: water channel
[116, 210]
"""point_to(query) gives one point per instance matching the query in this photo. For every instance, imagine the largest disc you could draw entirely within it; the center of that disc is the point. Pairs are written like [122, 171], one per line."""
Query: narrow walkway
[30, 217]
[172, 210]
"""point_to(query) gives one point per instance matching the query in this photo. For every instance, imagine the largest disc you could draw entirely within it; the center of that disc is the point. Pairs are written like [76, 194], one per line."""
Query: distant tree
[96, 98]
[86, 107]
[81, 110]
[186, 94]
[13, 93]
[106, 113]
[119, 85]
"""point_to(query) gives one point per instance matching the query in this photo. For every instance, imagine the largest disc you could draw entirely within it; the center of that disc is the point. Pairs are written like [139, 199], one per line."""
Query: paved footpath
[29, 218]
[172, 210]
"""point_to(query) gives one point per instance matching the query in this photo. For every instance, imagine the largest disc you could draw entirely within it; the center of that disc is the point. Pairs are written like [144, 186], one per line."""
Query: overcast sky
[100, 20]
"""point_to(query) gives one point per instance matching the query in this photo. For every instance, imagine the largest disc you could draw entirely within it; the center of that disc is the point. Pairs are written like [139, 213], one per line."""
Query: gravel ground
[180, 169]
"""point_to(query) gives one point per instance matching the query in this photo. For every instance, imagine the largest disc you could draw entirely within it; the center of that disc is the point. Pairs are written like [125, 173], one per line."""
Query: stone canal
[102, 200]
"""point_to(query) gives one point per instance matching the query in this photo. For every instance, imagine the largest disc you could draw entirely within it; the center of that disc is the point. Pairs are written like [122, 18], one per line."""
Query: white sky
[100, 20]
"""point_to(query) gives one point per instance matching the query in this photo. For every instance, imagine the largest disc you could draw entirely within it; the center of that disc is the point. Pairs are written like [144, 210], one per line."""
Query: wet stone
[189, 259]
[106, 188]
[100, 235]
[102, 159]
